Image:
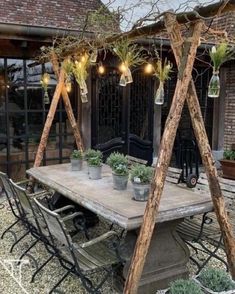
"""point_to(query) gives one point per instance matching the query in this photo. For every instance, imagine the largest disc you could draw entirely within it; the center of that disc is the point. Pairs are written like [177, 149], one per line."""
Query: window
[23, 114]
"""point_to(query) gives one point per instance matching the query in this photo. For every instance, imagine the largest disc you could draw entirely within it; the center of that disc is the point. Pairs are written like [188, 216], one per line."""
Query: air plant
[162, 71]
[80, 72]
[68, 67]
[129, 55]
[218, 54]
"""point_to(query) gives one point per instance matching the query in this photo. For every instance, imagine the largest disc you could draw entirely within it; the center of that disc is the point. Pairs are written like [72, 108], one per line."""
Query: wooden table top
[118, 206]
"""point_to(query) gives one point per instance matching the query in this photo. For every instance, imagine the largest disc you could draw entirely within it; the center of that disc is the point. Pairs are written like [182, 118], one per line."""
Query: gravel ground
[51, 273]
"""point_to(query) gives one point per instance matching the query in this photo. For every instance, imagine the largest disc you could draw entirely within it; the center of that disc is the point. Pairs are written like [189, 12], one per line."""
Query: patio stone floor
[52, 272]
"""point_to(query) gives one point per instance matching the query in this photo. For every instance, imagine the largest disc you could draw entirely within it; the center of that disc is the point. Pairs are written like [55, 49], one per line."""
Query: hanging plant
[68, 68]
[129, 55]
[162, 71]
[80, 72]
[218, 54]
[45, 79]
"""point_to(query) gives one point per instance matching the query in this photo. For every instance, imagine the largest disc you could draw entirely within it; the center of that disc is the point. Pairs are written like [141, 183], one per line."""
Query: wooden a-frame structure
[184, 49]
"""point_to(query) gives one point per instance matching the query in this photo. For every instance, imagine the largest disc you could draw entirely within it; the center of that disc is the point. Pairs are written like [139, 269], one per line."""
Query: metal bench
[197, 229]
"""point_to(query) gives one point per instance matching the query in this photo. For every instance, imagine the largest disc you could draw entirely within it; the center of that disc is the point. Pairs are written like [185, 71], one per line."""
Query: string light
[148, 69]
[101, 69]
[123, 67]
[68, 87]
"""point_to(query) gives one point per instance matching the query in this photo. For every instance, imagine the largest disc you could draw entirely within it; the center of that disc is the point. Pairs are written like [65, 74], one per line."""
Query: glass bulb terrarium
[46, 98]
[214, 85]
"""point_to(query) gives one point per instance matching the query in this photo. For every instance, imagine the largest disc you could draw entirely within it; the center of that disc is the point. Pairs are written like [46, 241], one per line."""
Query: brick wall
[229, 123]
[47, 13]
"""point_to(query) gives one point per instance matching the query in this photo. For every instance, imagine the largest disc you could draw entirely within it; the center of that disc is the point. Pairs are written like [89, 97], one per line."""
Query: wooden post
[49, 120]
[146, 231]
[67, 105]
[176, 39]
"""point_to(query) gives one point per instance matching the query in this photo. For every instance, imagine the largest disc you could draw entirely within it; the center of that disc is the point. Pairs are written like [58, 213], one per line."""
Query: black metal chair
[35, 223]
[100, 253]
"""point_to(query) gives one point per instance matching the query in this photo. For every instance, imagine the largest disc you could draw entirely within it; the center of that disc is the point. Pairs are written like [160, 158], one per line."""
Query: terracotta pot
[228, 167]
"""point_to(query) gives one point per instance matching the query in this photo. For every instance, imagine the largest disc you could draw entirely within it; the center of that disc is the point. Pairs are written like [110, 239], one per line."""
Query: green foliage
[93, 153]
[80, 69]
[184, 287]
[162, 69]
[216, 279]
[76, 154]
[94, 161]
[119, 163]
[229, 154]
[141, 173]
[129, 54]
[219, 54]
[68, 67]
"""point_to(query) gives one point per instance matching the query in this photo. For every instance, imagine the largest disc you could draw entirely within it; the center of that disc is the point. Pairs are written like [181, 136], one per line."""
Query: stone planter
[76, 164]
[120, 182]
[94, 172]
[141, 191]
[209, 291]
[228, 168]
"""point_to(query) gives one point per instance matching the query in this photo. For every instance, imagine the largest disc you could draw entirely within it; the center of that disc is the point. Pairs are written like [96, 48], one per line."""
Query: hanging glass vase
[214, 85]
[84, 98]
[128, 76]
[122, 81]
[68, 84]
[46, 98]
[83, 88]
[159, 96]
[93, 56]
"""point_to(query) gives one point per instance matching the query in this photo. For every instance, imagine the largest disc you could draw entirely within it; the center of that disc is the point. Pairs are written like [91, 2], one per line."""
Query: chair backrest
[173, 174]
[55, 225]
[11, 195]
[133, 160]
[227, 188]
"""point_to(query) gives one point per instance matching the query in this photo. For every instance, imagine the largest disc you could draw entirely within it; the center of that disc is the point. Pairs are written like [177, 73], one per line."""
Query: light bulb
[148, 68]
[68, 86]
[83, 59]
[123, 67]
[101, 69]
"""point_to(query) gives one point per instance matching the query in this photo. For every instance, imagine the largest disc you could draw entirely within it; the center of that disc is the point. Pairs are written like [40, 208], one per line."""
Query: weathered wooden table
[168, 254]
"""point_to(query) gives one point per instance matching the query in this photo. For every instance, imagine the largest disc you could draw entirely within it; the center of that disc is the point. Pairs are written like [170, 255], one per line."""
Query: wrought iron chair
[100, 253]
[15, 208]
[35, 222]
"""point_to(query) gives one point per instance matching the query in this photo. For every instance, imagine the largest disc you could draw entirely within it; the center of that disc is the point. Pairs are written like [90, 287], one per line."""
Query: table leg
[166, 260]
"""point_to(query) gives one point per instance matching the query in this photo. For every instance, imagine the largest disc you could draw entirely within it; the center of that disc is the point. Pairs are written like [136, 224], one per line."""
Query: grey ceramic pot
[141, 191]
[76, 164]
[120, 182]
[94, 172]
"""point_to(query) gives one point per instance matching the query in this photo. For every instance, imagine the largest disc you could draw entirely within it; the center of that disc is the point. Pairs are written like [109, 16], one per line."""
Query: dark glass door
[122, 117]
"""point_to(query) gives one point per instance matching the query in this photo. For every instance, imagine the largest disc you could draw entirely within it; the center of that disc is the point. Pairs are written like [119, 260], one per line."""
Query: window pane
[3, 131]
[34, 98]
[35, 124]
[33, 73]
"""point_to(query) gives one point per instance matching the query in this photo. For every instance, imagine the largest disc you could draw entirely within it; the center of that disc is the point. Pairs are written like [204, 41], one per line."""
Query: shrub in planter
[228, 164]
[95, 165]
[215, 280]
[92, 153]
[119, 164]
[184, 287]
[76, 160]
[141, 177]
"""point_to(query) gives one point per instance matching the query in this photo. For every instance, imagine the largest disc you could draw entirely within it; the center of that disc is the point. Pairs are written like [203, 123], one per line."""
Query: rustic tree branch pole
[49, 120]
[176, 39]
[67, 105]
[146, 231]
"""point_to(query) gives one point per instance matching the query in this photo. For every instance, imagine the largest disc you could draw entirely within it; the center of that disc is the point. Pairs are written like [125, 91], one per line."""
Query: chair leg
[22, 237]
[27, 250]
[12, 225]
[61, 280]
[40, 268]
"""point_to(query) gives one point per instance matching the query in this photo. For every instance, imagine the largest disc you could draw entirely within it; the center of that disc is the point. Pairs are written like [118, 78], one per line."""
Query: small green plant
[141, 174]
[216, 279]
[76, 154]
[162, 70]
[94, 161]
[229, 155]
[119, 163]
[93, 153]
[219, 54]
[184, 287]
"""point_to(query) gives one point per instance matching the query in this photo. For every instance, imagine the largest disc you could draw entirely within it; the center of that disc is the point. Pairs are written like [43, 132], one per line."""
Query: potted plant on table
[76, 160]
[94, 162]
[141, 177]
[215, 281]
[228, 164]
[119, 165]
